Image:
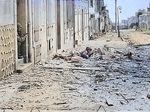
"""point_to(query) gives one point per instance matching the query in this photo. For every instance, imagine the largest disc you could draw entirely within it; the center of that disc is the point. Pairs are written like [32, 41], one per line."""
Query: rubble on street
[116, 78]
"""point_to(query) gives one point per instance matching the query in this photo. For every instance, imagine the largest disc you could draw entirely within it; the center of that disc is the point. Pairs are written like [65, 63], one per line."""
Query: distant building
[124, 24]
[148, 9]
[142, 11]
[133, 19]
[144, 20]
[98, 17]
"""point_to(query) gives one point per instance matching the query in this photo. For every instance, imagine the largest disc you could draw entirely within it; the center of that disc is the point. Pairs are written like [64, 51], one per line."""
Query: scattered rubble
[24, 87]
[76, 59]
[148, 96]
[109, 102]
[112, 79]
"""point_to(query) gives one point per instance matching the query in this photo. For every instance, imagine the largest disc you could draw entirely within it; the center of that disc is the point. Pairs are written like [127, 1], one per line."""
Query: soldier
[20, 38]
[91, 38]
[87, 53]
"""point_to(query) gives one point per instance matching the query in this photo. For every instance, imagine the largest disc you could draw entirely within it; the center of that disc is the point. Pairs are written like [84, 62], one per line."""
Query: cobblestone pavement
[117, 84]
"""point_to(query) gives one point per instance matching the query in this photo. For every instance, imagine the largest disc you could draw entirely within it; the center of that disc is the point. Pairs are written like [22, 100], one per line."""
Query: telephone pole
[118, 11]
[116, 15]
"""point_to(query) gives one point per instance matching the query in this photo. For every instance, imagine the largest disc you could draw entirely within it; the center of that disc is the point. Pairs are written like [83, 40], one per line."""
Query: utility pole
[118, 11]
[118, 25]
[116, 15]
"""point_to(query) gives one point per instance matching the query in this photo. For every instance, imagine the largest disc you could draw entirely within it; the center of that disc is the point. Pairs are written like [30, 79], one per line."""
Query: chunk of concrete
[106, 57]
[101, 109]
[109, 102]
[76, 59]
[148, 96]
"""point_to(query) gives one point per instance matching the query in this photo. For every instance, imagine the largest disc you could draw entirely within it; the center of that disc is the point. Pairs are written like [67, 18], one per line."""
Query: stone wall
[7, 50]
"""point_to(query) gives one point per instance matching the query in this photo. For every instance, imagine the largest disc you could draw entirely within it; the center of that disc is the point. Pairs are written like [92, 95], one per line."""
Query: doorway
[22, 35]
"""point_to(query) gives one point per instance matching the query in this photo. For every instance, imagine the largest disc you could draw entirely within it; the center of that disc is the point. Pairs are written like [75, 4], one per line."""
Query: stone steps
[24, 67]
[20, 61]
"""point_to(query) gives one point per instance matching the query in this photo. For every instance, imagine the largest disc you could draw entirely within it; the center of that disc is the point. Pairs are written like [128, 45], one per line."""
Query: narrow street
[116, 82]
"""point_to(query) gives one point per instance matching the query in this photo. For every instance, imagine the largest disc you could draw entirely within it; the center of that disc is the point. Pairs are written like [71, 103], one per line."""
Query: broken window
[103, 8]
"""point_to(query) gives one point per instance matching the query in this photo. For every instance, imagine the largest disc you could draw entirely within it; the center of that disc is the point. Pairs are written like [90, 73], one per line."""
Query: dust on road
[116, 83]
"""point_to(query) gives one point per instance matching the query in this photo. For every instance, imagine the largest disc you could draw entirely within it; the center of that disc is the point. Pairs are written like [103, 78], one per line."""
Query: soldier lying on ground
[86, 53]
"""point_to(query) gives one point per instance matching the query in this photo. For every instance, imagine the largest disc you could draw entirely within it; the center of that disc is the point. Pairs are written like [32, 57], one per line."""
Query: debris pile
[104, 53]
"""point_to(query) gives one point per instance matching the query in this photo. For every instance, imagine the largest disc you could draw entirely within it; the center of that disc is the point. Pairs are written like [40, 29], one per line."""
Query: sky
[129, 7]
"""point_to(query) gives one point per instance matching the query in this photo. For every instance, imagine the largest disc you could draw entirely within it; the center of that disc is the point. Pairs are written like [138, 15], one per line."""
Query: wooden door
[50, 26]
[36, 14]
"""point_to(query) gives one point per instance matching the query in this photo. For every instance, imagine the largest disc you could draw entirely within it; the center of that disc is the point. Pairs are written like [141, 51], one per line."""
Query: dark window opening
[49, 45]
[91, 2]
[103, 8]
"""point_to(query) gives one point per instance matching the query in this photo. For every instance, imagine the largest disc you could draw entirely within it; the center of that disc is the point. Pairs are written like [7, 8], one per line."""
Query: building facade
[133, 19]
[31, 30]
[125, 24]
[81, 21]
[98, 17]
[8, 40]
[144, 20]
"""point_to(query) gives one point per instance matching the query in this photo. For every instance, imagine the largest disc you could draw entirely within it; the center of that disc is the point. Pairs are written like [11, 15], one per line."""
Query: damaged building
[144, 19]
[8, 37]
[31, 30]
[99, 17]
